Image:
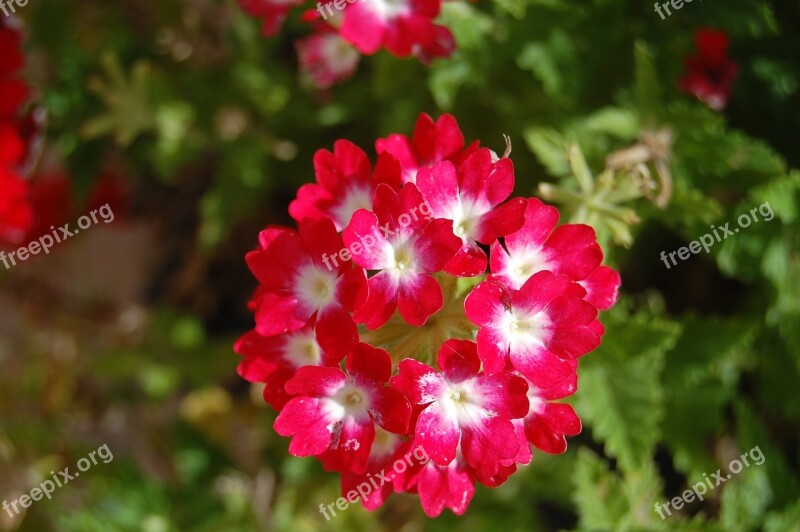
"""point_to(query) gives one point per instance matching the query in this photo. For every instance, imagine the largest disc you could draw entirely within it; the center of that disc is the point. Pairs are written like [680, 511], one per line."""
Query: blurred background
[197, 131]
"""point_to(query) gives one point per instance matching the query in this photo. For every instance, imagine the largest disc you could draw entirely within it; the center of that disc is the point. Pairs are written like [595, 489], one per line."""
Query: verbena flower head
[420, 307]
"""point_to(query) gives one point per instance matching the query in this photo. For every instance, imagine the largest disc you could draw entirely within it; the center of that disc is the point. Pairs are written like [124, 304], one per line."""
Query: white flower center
[401, 259]
[463, 403]
[522, 265]
[389, 9]
[316, 288]
[302, 349]
[351, 401]
[525, 330]
[355, 198]
[465, 215]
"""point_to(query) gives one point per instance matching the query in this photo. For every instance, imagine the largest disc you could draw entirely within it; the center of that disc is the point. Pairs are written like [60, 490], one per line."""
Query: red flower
[345, 184]
[274, 360]
[547, 423]
[710, 74]
[538, 328]
[16, 213]
[439, 487]
[11, 146]
[298, 289]
[399, 25]
[401, 241]
[326, 58]
[13, 90]
[384, 453]
[432, 142]
[416, 221]
[469, 197]
[570, 249]
[335, 413]
[464, 408]
[443, 45]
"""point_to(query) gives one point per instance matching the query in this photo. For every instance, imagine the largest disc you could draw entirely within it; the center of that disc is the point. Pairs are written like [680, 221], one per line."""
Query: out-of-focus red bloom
[710, 74]
[326, 58]
[13, 90]
[398, 25]
[16, 213]
[403, 27]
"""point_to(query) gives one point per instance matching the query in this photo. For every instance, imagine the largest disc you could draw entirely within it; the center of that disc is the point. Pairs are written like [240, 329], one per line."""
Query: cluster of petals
[16, 213]
[343, 30]
[373, 246]
[709, 75]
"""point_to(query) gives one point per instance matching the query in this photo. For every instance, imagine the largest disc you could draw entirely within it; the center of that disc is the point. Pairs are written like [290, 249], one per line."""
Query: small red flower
[537, 328]
[274, 360]
[470, 197]
[383, 455]
[440, 487]
[298, 288]
[570, 250]
[16, 213]
[402, 242]
[13, 90]
[345, 183]
[398, 25]
[547, 423]
[326, 58]
[432, 142]
[443, 45]
[335, 413]
[464, 408]
[710, 74]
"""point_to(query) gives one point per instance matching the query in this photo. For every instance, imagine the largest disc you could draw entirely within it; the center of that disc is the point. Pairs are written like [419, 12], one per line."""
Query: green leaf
[647, 86]
[701, 375]
[620, 395]
[787, 521]
[550, 147]
[598, 494]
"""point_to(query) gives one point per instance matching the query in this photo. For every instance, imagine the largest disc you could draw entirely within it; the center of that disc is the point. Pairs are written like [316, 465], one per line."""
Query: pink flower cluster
[345, 29]
[492, 388]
